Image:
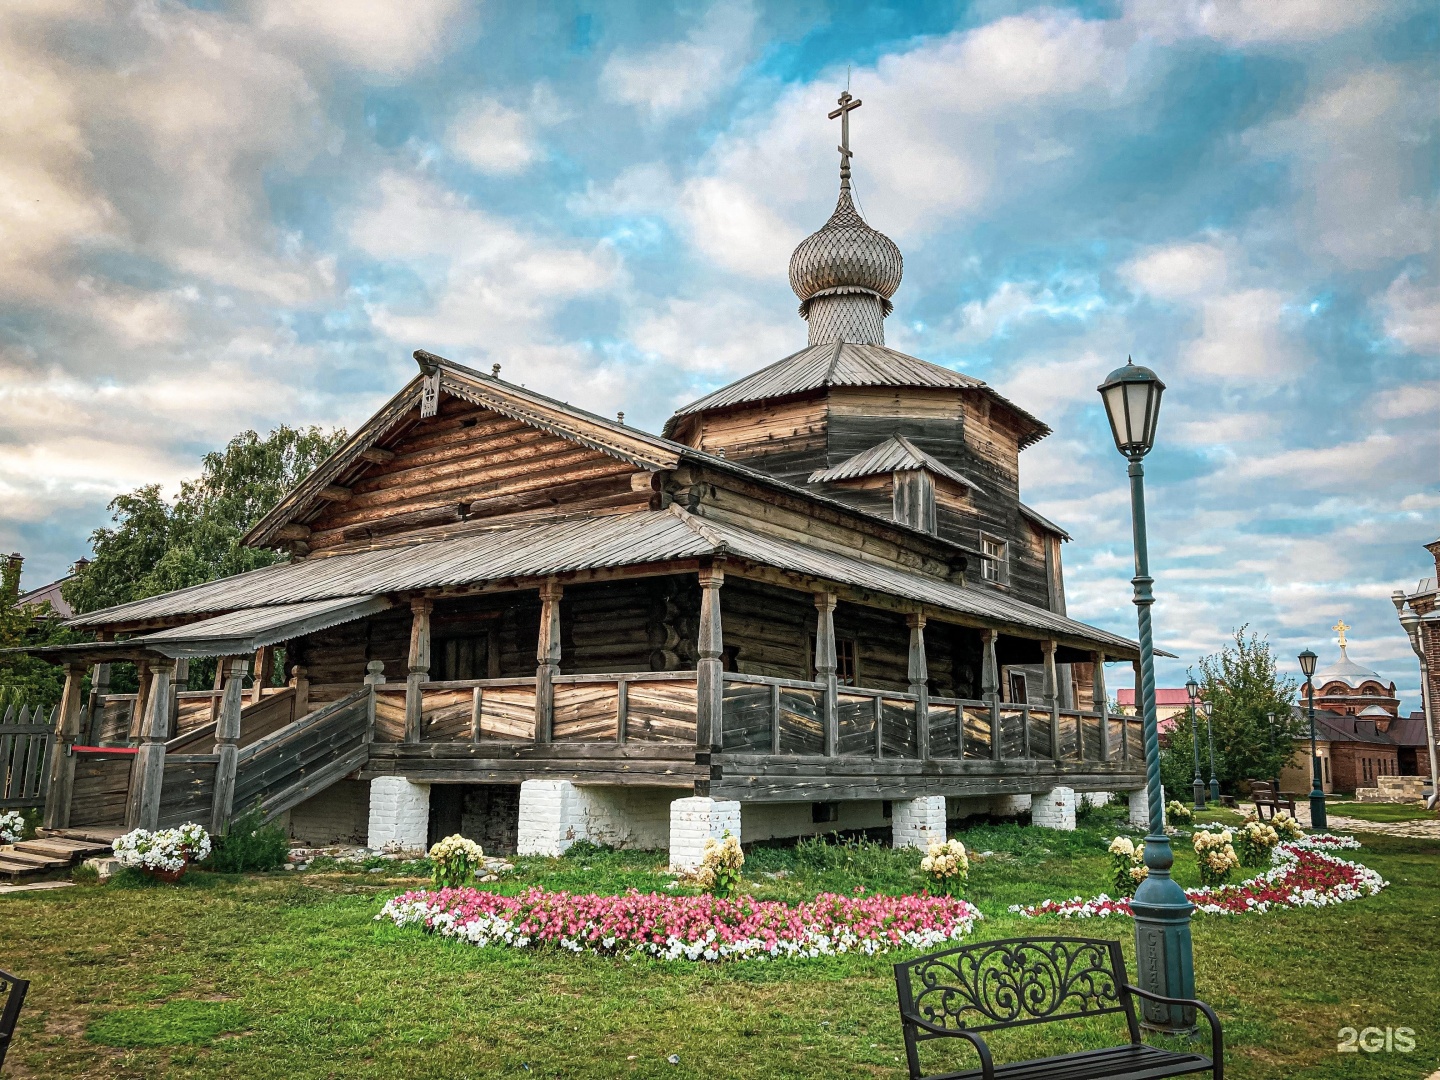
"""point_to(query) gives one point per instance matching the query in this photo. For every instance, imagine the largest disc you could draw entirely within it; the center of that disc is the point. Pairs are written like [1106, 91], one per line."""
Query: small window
[1019, 689]
[824, 812]
[995, 561]
[844, 661]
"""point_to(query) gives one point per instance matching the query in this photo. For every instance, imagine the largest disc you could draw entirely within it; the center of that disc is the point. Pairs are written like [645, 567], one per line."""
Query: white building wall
[1055, 809]
[338, 815]
[399, 817]
[695, 820]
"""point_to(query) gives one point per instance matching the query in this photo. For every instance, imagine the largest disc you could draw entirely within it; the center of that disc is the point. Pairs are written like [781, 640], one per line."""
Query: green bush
[249, 844]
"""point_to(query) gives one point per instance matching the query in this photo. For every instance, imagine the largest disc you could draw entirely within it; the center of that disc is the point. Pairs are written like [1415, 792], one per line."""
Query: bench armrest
[1217, 1036]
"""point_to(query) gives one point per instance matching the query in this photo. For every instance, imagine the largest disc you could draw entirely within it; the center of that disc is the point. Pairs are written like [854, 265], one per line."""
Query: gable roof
[1044, 522]
[503, 553]
[895, 454]
[845, 363]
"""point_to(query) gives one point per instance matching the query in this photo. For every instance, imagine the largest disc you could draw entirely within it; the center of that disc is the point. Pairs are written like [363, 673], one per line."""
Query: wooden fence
[26, 736]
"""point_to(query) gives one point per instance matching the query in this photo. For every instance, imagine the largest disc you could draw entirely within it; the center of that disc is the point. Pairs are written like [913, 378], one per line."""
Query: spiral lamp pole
[1164, 954]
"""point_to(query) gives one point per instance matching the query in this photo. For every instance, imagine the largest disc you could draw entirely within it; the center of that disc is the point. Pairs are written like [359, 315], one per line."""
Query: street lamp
[1270, 722]
[1410, 621]
[1317, 792]
[1210, 735]
[1193, 689]
[1164, 956]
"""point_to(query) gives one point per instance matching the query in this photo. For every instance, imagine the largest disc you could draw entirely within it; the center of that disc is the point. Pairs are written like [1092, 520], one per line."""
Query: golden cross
[847, 105]
[1340, 629]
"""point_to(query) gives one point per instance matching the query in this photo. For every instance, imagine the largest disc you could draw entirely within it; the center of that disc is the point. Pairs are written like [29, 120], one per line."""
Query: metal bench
[997, 985]
[13, 988]
[1266, 795]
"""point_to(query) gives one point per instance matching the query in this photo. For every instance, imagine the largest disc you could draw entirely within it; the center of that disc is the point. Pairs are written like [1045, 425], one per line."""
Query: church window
[995, 561]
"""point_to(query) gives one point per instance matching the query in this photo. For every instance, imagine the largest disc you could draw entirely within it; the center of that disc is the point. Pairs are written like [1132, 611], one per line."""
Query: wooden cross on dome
[847, 106]
[1340, 629]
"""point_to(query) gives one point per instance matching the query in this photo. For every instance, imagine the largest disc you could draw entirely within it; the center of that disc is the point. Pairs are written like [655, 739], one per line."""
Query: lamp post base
[1317, 810]
[1215, 791]
[1199, 795]
[1164, 958]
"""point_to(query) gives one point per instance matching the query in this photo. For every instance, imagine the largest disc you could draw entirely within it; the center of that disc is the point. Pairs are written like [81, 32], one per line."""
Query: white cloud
[380, 36]
[1245, 338]
[1250, 22]
[1178, 271]
[1049, 387]
[495, 139]
[681, 76]
[1417, 399]
[721, 336]
[1412, 314]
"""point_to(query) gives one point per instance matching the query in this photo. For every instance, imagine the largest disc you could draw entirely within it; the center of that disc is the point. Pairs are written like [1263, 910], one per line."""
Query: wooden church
[816, 602]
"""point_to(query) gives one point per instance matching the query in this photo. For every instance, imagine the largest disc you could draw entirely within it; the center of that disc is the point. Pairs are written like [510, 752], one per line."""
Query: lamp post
[1210, 735]
[1193, 689]
[1410, 620]
[1270, 726]
[1164, 956]
[1317, 792]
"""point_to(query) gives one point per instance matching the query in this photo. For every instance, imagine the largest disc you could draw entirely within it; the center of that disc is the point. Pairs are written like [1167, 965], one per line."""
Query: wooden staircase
[50, 852]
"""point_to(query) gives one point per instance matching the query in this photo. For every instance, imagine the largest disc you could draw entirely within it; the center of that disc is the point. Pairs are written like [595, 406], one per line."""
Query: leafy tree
[25, 679]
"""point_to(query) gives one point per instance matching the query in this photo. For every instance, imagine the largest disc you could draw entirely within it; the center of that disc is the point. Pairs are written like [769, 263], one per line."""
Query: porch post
[990, 690]
[1100, 703]
[99, 689]
[300, 683]
[62, 755]
[1048, 694]
[227, 736]
[147, 774]
[547, 658]
[142, 701]
[264, 668]
[1139, 712]
[919, 676]
[182, 682]
[709, 670]
[217, 690]
[825, 670]
[419, 667]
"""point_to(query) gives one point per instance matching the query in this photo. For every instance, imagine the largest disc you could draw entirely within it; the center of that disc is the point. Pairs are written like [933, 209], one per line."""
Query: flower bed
[1304, 875]
[686, 927]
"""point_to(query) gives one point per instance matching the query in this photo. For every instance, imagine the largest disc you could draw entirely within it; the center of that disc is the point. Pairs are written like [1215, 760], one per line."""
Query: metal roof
[895, 454]
[581, 543]
[239, 632]
[1044, 522]
[1348, 672]
[845, 363]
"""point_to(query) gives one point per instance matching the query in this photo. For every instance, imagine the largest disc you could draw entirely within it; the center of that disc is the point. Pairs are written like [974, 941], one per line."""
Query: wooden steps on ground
[48, 852]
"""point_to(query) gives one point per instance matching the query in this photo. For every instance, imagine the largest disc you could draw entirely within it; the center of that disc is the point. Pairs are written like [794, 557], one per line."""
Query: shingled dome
[846, 254]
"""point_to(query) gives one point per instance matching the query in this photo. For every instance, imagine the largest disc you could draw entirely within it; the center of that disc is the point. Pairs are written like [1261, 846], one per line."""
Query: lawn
[1382, 811]
[288, 975]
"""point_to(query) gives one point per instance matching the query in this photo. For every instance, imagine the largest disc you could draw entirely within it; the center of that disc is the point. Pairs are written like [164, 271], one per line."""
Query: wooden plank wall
[783, 438]
[469, 461]
[187, 791]
[102, 787]
[662, 711]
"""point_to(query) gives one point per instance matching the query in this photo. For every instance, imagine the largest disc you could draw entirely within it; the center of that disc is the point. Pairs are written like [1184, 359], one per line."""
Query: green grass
[287, 975]
[1382, 811]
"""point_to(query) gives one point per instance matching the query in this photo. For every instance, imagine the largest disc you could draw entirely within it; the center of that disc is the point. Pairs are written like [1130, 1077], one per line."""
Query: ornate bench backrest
[1002, 984]
[12, 996]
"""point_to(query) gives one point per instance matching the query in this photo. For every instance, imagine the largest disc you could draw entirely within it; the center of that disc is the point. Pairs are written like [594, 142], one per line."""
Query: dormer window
[995, 561]
[913, 499]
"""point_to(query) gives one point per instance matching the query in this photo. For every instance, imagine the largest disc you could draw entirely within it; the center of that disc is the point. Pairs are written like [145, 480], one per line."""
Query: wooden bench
[998, 985]
[13, 989]
[1266, 795]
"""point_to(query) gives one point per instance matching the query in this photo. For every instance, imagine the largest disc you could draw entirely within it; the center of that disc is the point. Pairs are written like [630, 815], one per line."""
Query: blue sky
[218, 216]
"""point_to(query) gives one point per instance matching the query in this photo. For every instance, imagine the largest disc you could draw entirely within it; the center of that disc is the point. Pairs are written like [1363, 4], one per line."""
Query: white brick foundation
[1055, 809]
[1096, 798]
[1140, 807]
[695, 820]
[917, 823]
[399, 814]
[552, 817]
[1010, 805]
[556, 813]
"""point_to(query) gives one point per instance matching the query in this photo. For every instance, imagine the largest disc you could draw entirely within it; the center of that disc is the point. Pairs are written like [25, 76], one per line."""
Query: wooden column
[1100, 703]
[217, 690]
[919, 675]
[227, 736]
[418, 671]
[300, 683]
[182, 682]
[147, 774]
[264, 670]
[1125, 741]
[547, 661]
[99, 689]
[142, 701]
[62, 754]
[990, 690]
[825, 671]
[709, 670]
[1049, 693]
[374, 676]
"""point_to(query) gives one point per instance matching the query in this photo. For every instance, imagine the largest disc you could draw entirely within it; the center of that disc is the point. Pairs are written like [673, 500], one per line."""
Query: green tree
[25, 679]
[1245, 690]
[157, 546]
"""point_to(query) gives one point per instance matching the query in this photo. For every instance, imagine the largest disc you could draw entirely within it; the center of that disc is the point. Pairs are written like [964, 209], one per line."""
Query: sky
[220, 216]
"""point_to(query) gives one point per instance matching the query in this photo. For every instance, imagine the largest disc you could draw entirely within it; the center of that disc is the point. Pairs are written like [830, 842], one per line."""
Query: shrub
[1286, 827]
[249, 844]
[1255, 841]
[1178, 812]
[455, 860]
[719, 869]
[1127, 865]
[948, 867]
[1215, 856]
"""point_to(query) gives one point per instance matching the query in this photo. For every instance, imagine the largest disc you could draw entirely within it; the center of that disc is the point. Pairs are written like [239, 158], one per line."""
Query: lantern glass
[1193, 689]
[1132, 404]
[1307, 662]
[1208, 707]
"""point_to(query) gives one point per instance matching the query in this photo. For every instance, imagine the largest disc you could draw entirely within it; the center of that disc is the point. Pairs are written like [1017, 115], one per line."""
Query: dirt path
[1429, 830]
